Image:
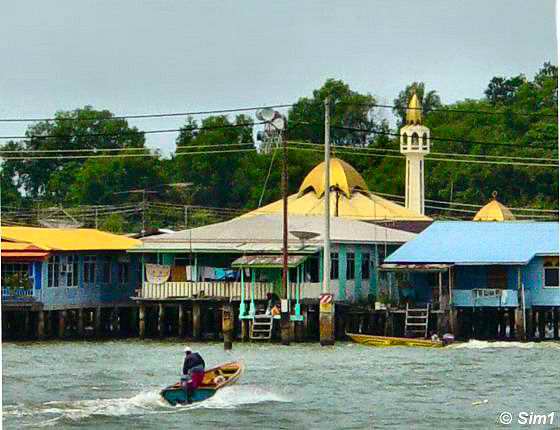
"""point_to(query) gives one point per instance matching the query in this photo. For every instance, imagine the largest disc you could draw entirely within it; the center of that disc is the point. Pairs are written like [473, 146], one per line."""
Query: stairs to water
[416, 321]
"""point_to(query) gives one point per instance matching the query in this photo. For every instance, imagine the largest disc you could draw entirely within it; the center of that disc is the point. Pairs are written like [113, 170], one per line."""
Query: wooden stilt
[244, 330]
[520, 333]
[40, 325]
[142, 321]
[81, 331]
[161, 319]
[556, 323]
[26, 323]
[98, 321]
[542, 323]
[530, 318]
[181, 320]
[62, 315]
[227, 325]
[196, 320]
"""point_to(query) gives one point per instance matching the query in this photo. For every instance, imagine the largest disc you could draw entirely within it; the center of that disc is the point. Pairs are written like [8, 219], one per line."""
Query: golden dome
[414, 111]
[342, 176]
[494, 211]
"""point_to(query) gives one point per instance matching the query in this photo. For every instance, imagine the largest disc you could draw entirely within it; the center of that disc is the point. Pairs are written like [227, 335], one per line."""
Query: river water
[114, 385]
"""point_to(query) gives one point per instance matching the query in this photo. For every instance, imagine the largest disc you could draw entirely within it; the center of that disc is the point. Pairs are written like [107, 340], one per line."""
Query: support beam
[520, 333]
[227, 325]
[244, 330]
[196, 320]
[556, 323]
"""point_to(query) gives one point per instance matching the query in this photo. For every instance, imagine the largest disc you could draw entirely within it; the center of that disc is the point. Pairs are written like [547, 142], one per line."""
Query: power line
[149, 115]
[130, 132]
[443, 139]
[368, 148]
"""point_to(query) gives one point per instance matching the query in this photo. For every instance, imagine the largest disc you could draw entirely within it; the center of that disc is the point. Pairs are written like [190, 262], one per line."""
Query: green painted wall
[358, 272]
[341, 272]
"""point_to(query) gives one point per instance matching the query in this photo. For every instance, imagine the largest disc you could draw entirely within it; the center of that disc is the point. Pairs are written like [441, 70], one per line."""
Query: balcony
[17, 295]
[221, 290]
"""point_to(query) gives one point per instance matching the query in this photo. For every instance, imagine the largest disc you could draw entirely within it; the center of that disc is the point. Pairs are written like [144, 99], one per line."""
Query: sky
[138, 56]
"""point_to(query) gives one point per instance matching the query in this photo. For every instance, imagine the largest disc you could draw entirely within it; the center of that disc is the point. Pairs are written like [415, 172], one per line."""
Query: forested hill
[496, 141]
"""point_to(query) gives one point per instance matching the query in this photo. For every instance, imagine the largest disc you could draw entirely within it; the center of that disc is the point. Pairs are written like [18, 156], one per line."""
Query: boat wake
[149, 402]
[483, 344]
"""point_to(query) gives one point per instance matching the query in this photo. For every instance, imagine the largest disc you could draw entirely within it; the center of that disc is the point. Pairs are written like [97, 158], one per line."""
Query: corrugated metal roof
[71, 239]
[263, 233]
[268, 261]
[471, 242]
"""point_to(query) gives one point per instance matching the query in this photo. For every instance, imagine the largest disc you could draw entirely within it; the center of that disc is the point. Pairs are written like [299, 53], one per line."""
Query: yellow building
[349, 198]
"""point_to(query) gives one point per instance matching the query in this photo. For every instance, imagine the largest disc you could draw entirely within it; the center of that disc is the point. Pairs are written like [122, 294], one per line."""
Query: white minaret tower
[415, 143]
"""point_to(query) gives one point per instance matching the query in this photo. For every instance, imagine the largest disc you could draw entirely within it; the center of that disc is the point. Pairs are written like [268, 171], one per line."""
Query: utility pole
[285, 318]
[326, 310]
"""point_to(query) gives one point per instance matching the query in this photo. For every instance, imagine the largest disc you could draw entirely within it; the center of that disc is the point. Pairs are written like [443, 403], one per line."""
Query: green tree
[429, 99]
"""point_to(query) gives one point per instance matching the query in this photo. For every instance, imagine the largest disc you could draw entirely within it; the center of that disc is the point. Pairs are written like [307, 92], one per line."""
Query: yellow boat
[371, 340]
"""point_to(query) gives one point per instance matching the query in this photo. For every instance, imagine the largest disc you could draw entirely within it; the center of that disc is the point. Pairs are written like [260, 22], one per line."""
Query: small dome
[494, 211]
[342, 176]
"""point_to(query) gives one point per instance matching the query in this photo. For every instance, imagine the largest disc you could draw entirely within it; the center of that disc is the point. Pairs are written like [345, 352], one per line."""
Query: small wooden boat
[371, 340]
[214, 379]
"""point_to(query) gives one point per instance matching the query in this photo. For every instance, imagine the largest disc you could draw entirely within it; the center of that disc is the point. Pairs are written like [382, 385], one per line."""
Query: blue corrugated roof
[476, 242]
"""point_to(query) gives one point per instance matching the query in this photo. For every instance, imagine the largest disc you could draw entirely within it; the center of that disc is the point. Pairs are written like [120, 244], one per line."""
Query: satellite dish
[265, 114]
[304, 235]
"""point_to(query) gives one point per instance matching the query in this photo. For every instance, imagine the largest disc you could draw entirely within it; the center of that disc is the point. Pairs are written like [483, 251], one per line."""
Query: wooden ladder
[416, 322]
[261, 327]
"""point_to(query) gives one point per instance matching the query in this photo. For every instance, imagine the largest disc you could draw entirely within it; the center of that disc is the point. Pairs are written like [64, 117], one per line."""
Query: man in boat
[193, 372]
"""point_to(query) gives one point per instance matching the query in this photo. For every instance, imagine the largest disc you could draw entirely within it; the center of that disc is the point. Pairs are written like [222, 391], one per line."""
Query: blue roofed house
[492, 271]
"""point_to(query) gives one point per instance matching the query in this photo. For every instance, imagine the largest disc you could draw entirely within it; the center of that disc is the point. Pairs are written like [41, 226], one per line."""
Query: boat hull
[214, 379]
[366, 339]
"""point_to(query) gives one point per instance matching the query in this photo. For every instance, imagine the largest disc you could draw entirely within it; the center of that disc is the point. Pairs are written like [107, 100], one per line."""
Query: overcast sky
[134, 56]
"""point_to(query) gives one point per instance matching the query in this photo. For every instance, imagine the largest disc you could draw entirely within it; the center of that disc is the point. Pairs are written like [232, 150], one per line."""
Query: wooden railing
[226, 290]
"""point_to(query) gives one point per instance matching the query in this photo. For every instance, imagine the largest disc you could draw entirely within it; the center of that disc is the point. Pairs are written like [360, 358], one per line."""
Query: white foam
[238, 395]
[483, 344]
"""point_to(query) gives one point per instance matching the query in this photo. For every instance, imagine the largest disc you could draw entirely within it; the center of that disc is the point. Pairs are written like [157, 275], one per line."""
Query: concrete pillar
[161, 320]
[196, 320]
[81, 330]
[227, 325]
[142, 321]
[62, 315]
[41, 325]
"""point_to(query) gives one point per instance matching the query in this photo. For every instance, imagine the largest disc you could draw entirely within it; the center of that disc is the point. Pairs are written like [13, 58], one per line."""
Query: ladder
[416, 322]
[261, 327]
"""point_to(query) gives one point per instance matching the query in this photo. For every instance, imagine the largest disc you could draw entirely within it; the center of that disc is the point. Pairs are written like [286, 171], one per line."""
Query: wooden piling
[161, 319]
[142, 321]
[196, 320]
[98, 322]
[62, 315]
[542, 323]
[556, 323]
[40, 325]
[227, 325]
[244, 330]
[181, 320]
[81, 331]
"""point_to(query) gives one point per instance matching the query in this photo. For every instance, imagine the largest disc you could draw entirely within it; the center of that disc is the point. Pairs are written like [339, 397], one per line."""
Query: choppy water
[114, 385]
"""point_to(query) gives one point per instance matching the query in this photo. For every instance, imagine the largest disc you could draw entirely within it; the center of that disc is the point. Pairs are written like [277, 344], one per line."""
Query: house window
[365, 265]
[334, 265]
[90, 267]
[105, 273]
[350, 268]
[497, 277]
[16, 275]
[62, 271]
[551, 272]
[123, 272]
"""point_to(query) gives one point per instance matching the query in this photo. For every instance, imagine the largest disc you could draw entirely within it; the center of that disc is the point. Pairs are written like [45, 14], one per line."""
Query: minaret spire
[415, 143]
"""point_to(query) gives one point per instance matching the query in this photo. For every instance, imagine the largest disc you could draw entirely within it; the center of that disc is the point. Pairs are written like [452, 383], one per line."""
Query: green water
[114, 385]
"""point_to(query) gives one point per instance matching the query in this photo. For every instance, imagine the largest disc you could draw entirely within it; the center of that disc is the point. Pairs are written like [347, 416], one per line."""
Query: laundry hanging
[157, 273]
